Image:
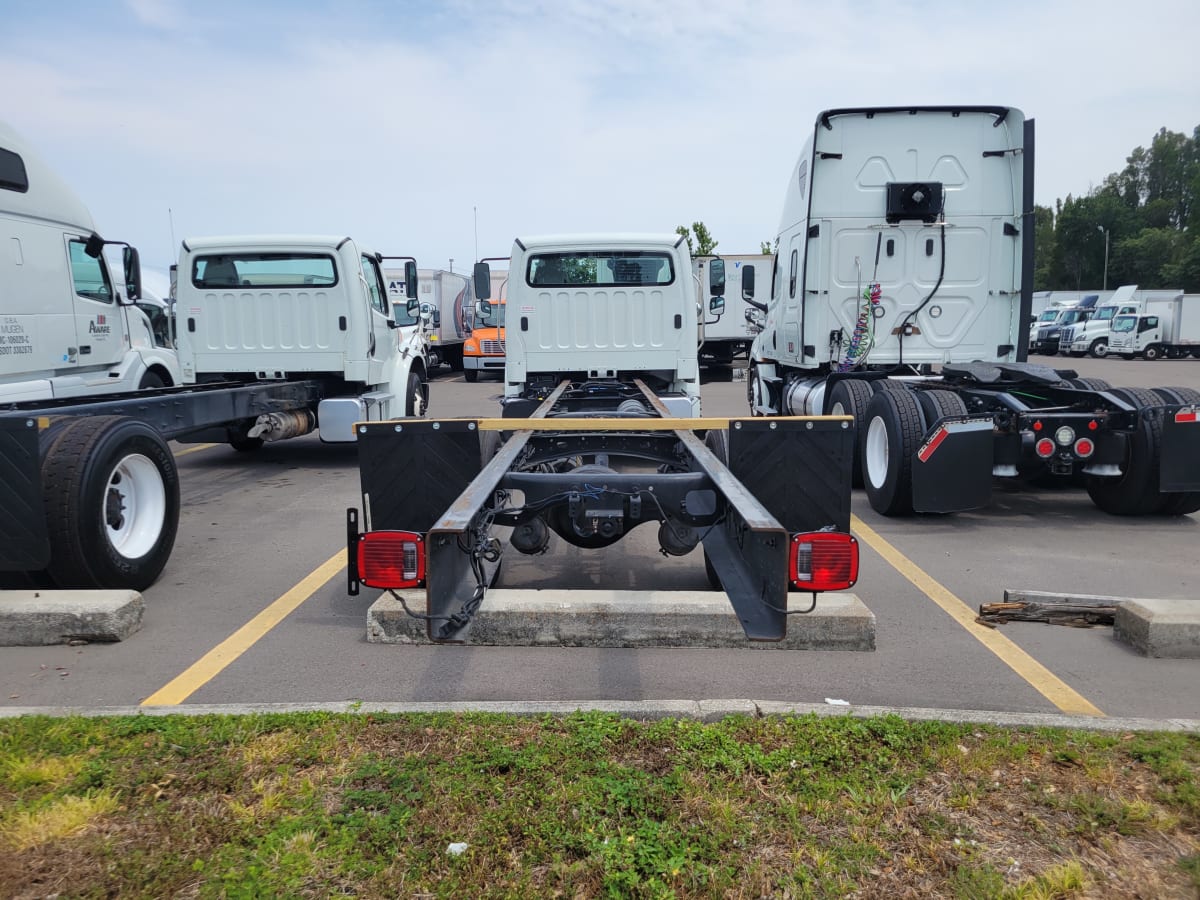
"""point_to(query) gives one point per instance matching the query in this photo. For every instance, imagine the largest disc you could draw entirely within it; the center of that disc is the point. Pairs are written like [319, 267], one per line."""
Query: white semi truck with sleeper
[599, 433]
[900, 295]
[69, 326]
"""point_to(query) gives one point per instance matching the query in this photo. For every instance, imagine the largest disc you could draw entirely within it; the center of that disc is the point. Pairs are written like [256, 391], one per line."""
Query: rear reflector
[823, 561]
[1084, 448]
[1186, 415]
[391, 559]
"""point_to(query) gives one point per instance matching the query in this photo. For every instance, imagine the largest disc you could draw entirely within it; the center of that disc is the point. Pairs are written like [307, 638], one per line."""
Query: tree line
[1149, 213]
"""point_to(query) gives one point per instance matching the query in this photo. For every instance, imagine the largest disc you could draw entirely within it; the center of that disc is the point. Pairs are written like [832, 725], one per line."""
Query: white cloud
[394, 124]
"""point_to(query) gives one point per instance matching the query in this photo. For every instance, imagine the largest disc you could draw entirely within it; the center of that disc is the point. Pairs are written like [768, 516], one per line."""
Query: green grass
[591, 805]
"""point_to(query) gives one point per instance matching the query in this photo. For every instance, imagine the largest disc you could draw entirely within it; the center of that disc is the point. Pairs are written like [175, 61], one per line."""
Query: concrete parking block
[606, 618]
[1161, 628]
[35, 618]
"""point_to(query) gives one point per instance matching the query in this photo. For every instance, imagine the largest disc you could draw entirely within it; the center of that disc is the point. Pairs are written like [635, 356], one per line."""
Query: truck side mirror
[716, 277]
[413, 307]
[716, 305]
[484, 308]
[482, 276]
[747, 282]
[410, 282]
[133, 273]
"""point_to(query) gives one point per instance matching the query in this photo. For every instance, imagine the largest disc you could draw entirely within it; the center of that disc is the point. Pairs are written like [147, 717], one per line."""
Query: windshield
[1049, 315]
[1071, 316]
[1104, 313]
[1123, 323]
[494, 317]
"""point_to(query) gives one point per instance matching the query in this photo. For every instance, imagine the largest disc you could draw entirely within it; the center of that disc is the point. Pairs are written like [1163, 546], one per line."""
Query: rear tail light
[1084, 448]
[1044, 448]
[391, 559]
[823, 561]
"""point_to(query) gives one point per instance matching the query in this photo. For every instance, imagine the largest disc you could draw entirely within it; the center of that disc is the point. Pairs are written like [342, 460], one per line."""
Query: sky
[444, 130]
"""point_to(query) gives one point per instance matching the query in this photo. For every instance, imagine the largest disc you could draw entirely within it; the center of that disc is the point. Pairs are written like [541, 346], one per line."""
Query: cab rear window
[604, 268]
[264, 270]
[13, 176]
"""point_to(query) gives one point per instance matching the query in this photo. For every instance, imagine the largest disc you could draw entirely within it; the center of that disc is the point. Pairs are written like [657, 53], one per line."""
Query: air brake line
[941, 274]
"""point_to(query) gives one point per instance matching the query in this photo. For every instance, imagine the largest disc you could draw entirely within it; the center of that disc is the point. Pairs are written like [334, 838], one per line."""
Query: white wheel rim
[135, 506]
[838, 409]
[876, 452]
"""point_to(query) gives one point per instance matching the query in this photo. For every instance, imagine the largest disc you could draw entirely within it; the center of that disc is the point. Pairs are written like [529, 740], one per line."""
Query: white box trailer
[447, 307]
[731, 327]
[69, 325]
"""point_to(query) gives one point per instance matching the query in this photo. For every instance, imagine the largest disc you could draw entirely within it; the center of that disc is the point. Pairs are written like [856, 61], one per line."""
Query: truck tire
[939, 404]
[471, 375]
[1099, 348]
[1135, 492]
[111, 493]
[850, 398]
[1186, 502]
[151, 380]
[893, 433]
[1152, 352]
[414, 396]
[1090, 384]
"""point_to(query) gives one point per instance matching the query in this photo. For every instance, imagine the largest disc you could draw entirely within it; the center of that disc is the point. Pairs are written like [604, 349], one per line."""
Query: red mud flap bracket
[1180, 464]
[952, 468]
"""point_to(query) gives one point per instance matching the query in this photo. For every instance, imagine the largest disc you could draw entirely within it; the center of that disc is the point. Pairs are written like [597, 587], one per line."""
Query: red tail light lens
[1044, 448]
[391, 559]
[1084, 448]
[823, 561]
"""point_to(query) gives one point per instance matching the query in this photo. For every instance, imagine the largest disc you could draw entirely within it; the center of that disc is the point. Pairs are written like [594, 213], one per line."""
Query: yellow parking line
[195, 448]
[1038, 676]
[215, 660]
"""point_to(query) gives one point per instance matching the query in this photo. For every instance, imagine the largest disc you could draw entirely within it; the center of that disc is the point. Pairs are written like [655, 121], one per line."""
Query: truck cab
[302, 307]
[600, 310]
[1092, 336]
[483, 351]
[70, 324]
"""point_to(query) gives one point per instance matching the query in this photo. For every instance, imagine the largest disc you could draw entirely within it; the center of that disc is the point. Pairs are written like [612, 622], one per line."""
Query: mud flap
[24, 541]
[952, 469]
[1180, 463]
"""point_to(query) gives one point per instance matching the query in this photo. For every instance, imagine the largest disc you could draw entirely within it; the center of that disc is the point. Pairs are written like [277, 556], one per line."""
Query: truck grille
[491, 348]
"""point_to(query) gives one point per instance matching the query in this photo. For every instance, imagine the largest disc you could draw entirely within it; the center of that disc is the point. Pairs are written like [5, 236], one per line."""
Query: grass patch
[591, 805]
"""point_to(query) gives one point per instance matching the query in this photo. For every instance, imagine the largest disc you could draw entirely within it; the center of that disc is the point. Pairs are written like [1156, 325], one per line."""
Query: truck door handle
[524, 323]
[191, 325]
[678, 320]
[84, 349]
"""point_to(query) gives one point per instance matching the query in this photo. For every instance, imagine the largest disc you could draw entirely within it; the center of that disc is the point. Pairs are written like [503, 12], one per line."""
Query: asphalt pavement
[253, 607]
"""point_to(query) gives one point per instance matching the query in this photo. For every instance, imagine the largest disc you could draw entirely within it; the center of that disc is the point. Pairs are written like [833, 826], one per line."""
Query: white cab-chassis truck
[901, 295]
[599, 433]
[278, 336]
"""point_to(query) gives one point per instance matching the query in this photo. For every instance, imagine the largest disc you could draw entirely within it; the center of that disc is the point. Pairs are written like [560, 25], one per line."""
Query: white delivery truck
[289, 308]
[1166, 327]
[601, 395]
[1092, 336]
[447, 307]
[68, 326]
[729, 327]
[901, 295]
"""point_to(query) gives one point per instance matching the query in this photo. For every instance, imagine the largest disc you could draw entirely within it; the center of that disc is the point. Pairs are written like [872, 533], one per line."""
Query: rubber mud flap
[1180, 462]
[952, 467]
[24, 543]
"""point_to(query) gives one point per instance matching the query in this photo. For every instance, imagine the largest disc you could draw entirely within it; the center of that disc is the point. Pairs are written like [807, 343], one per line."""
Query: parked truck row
[274, 337]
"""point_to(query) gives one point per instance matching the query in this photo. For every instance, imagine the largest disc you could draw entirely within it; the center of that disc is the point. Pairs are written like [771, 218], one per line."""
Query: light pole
[1105, 230]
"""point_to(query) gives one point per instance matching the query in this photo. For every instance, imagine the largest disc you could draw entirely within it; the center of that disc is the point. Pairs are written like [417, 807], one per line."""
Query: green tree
[704, 244]
[765, 248]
